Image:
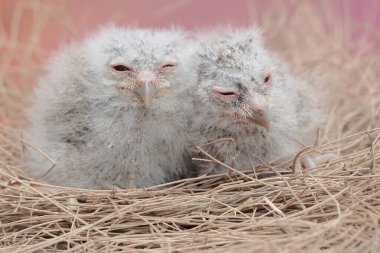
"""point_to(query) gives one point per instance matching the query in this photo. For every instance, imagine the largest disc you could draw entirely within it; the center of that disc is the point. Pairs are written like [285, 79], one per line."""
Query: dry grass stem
[333, 207]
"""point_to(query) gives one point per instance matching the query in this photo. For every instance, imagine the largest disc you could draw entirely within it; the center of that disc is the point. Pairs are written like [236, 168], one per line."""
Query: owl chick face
[236, 78]
[141, 64]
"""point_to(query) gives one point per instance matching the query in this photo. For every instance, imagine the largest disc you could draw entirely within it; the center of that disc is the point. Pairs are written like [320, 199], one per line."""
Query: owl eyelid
[167, 66]
[232, 94]
[121, 68]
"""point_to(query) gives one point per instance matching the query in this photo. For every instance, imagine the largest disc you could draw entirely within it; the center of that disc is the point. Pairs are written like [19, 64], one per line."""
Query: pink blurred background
[74, 18]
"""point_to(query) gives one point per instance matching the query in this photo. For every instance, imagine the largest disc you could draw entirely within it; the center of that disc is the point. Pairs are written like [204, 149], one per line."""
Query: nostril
[145, 76]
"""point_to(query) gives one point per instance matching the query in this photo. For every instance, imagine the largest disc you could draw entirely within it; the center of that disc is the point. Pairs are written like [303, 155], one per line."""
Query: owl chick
[109, 112]
[249, 108]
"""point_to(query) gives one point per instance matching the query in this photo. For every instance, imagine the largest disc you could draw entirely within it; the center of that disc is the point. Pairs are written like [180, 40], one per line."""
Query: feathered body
[249, 108]
[109, 111]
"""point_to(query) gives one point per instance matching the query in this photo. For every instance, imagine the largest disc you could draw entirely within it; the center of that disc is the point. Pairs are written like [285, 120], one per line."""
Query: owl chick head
[236, 75]
[140, 65]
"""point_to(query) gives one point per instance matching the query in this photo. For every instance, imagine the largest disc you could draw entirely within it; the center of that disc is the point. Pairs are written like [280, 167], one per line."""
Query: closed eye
[167, 66]
[226, 93]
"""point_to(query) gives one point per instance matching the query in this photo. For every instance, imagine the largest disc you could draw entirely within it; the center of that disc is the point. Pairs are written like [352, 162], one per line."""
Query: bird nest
[334, 207]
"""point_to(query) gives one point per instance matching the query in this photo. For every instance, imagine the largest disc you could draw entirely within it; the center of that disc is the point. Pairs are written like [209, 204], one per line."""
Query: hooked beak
[259, 106]
[261, 121]
[145, 88]
[146, 93]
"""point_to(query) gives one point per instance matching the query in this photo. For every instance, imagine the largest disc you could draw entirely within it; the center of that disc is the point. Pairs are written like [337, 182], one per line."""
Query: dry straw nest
[332, 208]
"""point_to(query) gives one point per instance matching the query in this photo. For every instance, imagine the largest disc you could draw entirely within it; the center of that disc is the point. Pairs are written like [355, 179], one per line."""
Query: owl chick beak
[145, 87]
[258, 104]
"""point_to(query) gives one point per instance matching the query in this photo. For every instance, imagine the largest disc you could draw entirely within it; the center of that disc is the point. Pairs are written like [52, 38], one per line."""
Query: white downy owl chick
[109, 112]
[249, 108]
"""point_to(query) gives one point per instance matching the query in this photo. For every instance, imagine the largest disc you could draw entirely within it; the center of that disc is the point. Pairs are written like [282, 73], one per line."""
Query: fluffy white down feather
[234, 63]
[98, 133]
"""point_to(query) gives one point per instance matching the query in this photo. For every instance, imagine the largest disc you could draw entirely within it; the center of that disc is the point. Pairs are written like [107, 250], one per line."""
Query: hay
[332, 208]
